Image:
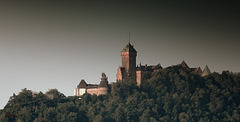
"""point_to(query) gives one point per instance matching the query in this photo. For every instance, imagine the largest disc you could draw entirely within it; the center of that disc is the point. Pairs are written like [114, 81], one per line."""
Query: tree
[120, 114]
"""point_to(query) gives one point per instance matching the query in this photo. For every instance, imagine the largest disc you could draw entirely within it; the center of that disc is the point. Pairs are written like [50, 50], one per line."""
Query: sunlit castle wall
[102, 90]
[79, 92]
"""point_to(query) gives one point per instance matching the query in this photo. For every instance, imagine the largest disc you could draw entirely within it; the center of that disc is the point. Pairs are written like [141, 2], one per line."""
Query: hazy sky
[45, 45]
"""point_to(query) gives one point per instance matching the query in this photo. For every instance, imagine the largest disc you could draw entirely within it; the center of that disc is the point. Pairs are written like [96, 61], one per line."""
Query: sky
[55, 44]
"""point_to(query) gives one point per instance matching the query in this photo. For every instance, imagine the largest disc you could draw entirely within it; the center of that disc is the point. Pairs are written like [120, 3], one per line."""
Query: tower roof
[198, 70]
[129, 48]
[206, 70]
[184, 64]
[82, 84]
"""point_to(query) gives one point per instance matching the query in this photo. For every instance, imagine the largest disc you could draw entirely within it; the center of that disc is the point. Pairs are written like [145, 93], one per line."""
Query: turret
[206, 71]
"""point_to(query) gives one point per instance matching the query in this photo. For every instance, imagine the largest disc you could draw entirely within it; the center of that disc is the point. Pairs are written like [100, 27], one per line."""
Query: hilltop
[170, 94]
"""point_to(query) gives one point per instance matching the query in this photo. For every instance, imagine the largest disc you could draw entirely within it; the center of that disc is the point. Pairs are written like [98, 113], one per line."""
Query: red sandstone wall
[119, 74]
[92, 91]
[97, 91]
[139, 77]
[102, 90]
[125, 60]
[129, 62]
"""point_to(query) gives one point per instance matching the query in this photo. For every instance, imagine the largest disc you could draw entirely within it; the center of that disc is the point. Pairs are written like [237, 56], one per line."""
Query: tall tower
[129, 55]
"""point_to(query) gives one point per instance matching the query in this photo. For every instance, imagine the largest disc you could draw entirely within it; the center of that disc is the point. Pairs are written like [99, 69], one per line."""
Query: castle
[129, 70]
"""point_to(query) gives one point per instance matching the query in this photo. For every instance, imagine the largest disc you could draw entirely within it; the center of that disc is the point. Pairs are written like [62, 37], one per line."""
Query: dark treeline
[171, 94]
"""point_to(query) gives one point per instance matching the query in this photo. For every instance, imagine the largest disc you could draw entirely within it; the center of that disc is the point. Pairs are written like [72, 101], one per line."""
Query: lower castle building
[100, 89]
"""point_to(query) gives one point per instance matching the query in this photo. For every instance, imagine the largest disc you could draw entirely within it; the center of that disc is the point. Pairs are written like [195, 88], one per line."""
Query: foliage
[170, 94]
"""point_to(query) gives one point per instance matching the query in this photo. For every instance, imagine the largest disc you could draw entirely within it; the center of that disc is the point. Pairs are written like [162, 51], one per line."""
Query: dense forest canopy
[170, 94]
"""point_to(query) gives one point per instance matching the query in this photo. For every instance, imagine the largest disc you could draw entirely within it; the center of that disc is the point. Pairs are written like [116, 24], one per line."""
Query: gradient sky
[45, 45]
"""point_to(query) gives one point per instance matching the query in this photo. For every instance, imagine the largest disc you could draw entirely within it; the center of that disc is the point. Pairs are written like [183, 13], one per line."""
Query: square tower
[129, 55]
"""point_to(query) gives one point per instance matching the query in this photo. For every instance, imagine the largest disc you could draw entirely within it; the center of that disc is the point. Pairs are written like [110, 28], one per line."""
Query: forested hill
[171, 94]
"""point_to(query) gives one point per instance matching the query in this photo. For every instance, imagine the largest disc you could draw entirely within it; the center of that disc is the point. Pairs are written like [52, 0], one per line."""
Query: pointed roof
[129, 48]
[82, 84]
[198, 70]
[206, 70]
[184, 64]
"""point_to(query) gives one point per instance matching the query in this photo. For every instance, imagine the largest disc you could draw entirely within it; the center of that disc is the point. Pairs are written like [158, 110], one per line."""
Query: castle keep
[129, 68]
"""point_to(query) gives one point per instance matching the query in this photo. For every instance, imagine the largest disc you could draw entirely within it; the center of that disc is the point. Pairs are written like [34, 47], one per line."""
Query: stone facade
[100, 89]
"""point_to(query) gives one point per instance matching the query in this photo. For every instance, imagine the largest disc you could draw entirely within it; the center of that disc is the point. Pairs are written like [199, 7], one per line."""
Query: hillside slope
[171, 94]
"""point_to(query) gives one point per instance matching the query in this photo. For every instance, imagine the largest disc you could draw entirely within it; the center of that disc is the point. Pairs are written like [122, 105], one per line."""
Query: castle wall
[92, 91]
[75, 92]
[97, 91]
[82, 91]
[119, 74]
[139, 77]
[102, 90]
[129, 63]
[79, 92]
[125, 60]
[140, 74]
[132, 66]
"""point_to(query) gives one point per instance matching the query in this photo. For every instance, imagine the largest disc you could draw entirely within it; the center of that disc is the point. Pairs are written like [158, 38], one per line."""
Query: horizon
[47, 45]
